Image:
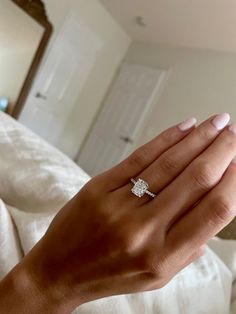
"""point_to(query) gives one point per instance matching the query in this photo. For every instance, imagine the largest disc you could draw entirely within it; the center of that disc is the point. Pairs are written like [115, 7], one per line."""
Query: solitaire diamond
[140, 188]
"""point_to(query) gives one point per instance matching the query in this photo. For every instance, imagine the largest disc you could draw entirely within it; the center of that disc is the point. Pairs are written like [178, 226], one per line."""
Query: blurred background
[98, 78]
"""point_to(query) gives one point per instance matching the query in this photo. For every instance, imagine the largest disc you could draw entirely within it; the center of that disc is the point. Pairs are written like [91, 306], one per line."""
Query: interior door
[121, 117]
[64, 73]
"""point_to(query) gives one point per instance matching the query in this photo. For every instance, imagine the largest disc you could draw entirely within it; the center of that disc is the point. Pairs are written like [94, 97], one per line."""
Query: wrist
[20, 293]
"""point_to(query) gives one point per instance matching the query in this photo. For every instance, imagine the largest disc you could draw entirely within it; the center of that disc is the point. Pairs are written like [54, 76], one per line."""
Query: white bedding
[36, 180]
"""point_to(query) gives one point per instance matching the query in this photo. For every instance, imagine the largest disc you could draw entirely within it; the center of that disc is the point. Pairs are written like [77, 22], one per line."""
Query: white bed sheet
[36, 180]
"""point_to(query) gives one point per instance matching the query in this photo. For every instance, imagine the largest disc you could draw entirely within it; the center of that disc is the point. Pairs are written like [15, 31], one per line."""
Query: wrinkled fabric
[37, 180]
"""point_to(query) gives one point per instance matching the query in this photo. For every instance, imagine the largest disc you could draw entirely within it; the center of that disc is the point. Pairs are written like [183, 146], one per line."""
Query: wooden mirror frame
[36, 9]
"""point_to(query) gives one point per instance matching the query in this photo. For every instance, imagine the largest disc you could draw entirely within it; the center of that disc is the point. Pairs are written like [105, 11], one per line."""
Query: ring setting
[140, 188]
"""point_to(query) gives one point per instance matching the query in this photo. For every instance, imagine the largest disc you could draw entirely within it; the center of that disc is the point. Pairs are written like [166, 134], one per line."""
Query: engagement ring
[140, 188]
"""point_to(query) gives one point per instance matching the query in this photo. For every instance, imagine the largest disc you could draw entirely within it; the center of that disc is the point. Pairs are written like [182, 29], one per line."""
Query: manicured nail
[232, 128]
[187, 124]
[221, 120]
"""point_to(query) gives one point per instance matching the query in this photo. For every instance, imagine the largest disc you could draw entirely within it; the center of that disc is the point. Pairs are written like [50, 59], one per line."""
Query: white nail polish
[187, 124]
[221, 120]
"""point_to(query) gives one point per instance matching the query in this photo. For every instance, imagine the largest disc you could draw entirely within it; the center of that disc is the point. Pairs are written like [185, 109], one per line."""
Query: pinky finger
[195, 256]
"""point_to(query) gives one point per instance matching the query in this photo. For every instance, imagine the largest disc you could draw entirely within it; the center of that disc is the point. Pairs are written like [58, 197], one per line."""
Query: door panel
[61, 80]
[121, 118]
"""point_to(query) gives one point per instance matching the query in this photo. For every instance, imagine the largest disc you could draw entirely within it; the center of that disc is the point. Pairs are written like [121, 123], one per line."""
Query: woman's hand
[106, 241]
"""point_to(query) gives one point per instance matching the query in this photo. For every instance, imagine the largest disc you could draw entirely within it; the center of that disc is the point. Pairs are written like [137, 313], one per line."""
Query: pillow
[10, 248]
[34, 175]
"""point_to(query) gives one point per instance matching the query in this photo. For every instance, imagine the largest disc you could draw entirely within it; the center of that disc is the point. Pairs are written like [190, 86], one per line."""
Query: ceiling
[205, 24]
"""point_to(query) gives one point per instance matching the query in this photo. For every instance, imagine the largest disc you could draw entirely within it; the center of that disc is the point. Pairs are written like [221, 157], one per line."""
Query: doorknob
[126, 139]
[39, 95]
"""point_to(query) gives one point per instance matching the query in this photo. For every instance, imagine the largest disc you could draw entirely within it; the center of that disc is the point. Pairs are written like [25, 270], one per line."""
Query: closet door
[121, 118]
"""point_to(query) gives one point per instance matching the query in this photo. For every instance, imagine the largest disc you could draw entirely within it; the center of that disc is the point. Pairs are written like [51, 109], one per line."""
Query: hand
[106, 241]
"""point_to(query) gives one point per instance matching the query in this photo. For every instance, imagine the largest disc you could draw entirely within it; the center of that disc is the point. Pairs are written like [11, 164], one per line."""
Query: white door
[121, 117]
[61, 79]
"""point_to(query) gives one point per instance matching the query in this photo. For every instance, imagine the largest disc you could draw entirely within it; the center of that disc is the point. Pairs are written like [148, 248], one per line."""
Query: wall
[116, 44]
[19, 38]
[11, 82]
[200, 83]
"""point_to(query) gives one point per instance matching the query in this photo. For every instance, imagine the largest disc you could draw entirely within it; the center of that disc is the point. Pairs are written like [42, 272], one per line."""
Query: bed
[36, 180]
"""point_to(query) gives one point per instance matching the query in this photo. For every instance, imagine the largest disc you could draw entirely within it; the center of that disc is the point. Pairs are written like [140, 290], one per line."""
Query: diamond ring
[140, 188]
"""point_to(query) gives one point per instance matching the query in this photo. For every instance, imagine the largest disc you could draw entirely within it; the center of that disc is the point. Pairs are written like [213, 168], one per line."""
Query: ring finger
[172, 162]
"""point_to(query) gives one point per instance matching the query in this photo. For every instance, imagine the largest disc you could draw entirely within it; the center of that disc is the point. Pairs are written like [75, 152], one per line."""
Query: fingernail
[221, 120]
[232, 128]
[187, 124]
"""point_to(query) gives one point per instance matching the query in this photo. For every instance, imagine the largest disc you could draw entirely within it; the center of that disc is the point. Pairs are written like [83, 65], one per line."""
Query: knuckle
[203, 175]
[153, 265]
[90, 191]
[127, 243]
[222, 210]
[159, 270]
[169, 163]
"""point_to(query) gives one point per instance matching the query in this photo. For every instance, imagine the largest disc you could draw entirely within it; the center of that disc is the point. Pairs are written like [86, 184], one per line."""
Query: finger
[199, 178]
[146, 154]
[212, 214]
[173, 161]
[177, 266]
[195, 256]
[153, 284]
[199, 252]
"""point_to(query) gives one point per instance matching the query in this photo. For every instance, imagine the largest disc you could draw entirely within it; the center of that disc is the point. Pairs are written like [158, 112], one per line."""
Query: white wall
[11, 81]
[19, 38]
[116, 44]
[201, 83]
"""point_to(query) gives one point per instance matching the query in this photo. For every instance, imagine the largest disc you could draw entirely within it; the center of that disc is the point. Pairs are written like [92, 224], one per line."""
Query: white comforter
[36, 180]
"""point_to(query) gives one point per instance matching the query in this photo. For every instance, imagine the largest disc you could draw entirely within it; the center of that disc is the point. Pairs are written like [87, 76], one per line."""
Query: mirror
[24, 34]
